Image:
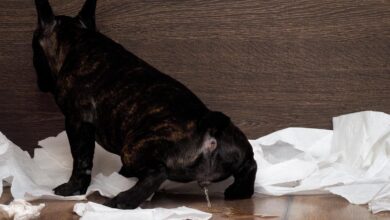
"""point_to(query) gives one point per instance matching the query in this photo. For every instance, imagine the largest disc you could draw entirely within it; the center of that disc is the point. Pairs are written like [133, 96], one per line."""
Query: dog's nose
[204, 183]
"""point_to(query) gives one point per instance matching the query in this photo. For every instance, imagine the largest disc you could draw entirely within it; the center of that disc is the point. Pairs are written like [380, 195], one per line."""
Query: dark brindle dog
[160, 128]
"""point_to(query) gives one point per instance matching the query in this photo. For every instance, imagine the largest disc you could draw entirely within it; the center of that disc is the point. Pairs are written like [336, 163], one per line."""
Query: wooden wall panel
[267, 64]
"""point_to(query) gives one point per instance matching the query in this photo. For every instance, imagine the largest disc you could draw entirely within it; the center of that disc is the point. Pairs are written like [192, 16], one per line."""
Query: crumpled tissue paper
[352, 160]
[34, 178]
[19, 209]
[94, 211]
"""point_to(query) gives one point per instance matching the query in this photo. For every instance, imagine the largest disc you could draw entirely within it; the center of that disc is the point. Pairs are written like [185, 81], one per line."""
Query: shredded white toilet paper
[352, 161]
[94, 211]
[19, 209]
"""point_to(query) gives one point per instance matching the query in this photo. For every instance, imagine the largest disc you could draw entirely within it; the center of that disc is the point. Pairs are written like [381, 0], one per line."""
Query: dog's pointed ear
[45, 13]
[214, 123]
[87, 14]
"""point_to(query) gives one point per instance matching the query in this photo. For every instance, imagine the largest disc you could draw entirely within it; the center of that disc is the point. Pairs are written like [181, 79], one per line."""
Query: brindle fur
[160, 128]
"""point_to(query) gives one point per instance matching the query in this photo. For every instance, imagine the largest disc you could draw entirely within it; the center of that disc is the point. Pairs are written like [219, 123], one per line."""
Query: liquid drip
[206, 193]
[230, 212]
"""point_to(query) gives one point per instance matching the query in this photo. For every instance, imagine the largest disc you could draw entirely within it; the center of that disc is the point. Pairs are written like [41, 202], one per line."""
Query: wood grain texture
[267, 64]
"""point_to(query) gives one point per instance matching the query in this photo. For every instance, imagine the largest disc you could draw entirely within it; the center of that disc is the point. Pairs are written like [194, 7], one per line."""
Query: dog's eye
[213, 143]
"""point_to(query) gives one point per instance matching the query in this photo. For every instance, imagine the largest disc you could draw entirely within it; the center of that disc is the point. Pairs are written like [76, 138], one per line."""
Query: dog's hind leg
[143, 189]
[139, 160]
[81, 137]
[244, 179]
[124, 171]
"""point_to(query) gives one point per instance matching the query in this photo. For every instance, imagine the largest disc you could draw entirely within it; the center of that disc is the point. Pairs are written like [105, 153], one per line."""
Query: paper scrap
[20, 209]
[94, 211]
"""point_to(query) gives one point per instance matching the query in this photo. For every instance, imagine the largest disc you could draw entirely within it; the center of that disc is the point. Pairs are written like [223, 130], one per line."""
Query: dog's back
[121, 94]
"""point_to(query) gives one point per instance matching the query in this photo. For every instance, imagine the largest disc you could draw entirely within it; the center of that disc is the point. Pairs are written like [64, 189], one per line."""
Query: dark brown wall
[267, 64]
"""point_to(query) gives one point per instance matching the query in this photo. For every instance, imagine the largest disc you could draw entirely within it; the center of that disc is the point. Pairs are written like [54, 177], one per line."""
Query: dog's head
[52, 39]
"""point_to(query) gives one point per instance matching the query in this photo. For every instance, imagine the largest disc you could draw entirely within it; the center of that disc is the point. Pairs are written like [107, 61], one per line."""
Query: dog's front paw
[71, 188]
[235, 192]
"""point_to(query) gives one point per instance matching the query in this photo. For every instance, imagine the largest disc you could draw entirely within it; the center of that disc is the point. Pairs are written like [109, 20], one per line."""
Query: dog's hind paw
[115, 203]
[71, 188]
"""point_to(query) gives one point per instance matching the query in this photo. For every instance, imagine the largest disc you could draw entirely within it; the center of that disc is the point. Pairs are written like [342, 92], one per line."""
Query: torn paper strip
[93, 211]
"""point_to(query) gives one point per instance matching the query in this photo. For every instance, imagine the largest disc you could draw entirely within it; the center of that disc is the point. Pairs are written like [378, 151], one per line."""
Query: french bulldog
[160, 129]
